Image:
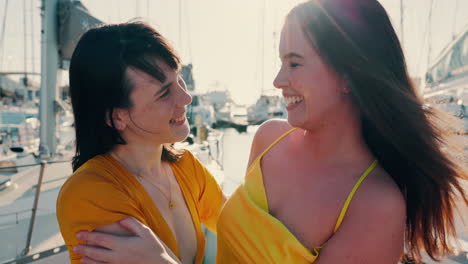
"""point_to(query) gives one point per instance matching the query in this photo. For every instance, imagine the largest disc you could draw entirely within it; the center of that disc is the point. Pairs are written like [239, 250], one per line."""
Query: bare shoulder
[374, 226]
[378, 200]
[266, 134]
[381, 193]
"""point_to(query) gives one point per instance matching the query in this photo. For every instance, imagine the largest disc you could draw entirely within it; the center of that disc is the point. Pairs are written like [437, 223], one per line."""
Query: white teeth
[293, 99]
[177, 119]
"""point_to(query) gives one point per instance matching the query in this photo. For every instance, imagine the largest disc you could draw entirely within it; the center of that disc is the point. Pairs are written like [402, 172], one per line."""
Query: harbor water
[235, 157]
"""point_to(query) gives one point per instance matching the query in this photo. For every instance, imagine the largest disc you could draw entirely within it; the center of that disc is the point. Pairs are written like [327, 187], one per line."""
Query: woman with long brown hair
[360, 172]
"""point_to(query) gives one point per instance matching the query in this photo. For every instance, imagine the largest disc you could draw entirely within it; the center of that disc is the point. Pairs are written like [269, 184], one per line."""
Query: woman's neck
[337, 141]
[140, 160]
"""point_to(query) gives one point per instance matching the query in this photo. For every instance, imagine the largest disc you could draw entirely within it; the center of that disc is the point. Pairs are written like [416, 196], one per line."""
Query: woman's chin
[294, 122]
[181, 133]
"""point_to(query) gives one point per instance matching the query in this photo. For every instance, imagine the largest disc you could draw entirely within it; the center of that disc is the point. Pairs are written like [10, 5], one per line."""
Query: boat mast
[49, 69]
[2, 35]
[180, 24]
[25, 54]
[33, 57]
[262, 48]
[429, 38]
[424, 84]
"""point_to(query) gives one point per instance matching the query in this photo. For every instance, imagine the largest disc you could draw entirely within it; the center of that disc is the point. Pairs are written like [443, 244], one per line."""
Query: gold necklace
[171, 203]
[138, 176]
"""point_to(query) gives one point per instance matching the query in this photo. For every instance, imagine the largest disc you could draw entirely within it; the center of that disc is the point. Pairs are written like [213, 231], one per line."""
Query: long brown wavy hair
[357, 40]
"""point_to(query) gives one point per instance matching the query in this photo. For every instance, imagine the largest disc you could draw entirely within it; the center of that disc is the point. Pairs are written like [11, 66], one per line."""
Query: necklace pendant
[171, 205]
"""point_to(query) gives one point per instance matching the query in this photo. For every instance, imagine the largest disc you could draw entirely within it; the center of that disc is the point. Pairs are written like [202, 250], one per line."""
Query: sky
[231, 44]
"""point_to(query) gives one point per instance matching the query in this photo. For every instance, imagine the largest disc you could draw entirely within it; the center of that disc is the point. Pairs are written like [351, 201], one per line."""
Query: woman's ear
[347, 83]
[345, 90]
[115, 119]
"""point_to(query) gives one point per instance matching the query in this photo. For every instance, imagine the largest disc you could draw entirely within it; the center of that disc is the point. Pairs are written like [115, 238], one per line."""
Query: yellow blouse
[247, 233]
[102, 192]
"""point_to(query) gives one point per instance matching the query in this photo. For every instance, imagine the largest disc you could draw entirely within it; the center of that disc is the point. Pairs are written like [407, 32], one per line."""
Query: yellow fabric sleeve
[209, 197]
[87, 201]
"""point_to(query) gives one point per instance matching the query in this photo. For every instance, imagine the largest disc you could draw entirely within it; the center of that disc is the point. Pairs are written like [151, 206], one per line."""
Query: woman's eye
[166, 93]
[293, 65]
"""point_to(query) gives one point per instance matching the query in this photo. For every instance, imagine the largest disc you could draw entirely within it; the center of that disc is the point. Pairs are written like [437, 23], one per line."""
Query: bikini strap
[351, 195]
[276, 141]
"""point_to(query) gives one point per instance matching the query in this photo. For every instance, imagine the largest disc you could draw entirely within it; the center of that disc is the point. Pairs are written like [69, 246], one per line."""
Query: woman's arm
[126, 241]
[88, 201]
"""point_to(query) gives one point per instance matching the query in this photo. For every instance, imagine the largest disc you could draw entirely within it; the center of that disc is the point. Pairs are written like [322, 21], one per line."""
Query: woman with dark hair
[360, 172]
[129, 101]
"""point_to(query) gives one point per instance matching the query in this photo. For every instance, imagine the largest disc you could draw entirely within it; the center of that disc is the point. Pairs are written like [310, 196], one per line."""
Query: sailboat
[449, 74]
[447, 80]
[28, 227]
[267, 105]
[446, 88]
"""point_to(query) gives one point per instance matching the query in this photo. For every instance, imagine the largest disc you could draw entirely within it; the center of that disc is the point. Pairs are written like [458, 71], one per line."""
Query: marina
[37, 136]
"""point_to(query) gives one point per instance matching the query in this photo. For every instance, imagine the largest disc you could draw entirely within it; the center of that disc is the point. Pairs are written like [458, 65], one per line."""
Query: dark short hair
[98, 83]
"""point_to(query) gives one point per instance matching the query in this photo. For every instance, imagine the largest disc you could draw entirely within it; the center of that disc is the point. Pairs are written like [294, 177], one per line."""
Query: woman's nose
[280, 80]
[186, 98]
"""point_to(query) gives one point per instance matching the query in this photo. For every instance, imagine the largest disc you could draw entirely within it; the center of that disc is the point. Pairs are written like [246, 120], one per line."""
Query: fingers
[96, 238]
[170, 255]
[134, 226]
[93, 254]
[87, 260]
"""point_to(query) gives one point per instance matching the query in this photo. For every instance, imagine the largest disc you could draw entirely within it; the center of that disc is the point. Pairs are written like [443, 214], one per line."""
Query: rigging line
[258, 52]
[32, 37]
[187, 30]
[429, 35]
[25, 46]
[455, 20]
[2, 35]
[180, 24]
[262, 48]
[425, 38]
[275, 35]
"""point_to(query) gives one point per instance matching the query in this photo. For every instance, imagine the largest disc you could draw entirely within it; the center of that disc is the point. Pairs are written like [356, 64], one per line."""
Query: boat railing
[18, 227]
[15, 233]
[215, 146]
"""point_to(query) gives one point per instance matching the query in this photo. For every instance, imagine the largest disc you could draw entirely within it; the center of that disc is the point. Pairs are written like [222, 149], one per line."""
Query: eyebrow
[292, 55]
